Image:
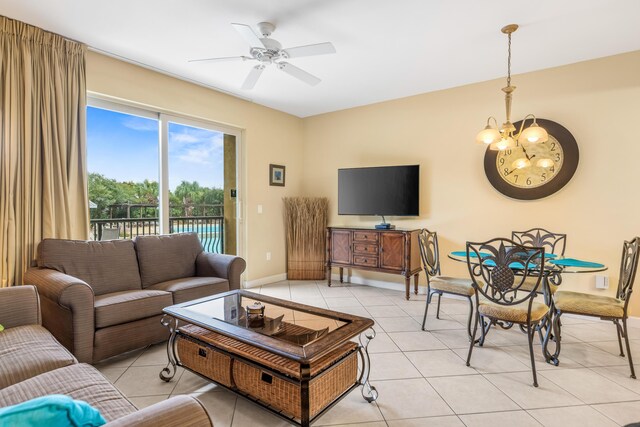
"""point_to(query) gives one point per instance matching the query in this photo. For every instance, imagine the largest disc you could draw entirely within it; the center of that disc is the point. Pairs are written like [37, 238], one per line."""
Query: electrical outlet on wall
[602, 282]
[268, 256]
[259, 209]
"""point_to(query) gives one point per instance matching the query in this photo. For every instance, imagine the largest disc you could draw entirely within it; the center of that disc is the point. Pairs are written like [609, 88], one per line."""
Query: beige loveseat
[34, 364]
[103, 298]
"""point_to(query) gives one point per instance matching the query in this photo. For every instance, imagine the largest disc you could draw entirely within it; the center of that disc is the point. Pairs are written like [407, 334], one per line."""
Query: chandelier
[506, 137]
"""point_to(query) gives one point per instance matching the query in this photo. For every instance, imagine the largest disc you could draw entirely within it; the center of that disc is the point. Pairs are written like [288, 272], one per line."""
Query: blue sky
[125, 147]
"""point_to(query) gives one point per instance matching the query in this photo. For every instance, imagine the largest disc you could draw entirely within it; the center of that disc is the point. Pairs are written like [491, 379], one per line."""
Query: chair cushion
[452, 285]
[127, 306]
[27, 351]
[191, 288]
[80, 382]
[588, 304]
[163, 258]
[513, 313]
[106, 266]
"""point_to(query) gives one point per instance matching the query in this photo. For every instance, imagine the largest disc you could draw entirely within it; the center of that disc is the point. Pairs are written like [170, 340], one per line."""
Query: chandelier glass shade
[506, 136]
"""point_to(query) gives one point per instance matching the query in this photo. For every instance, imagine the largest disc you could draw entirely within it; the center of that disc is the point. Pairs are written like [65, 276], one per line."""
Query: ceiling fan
[268, 51]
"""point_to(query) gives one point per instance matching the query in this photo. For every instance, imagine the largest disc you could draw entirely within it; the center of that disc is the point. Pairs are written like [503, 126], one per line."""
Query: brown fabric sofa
[103, 298]
[34, 364]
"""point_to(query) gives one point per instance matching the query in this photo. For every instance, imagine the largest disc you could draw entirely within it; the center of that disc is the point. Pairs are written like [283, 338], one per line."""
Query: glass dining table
[554, 268]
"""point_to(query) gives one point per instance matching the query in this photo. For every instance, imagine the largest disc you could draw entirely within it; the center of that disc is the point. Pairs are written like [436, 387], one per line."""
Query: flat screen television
[386, 190]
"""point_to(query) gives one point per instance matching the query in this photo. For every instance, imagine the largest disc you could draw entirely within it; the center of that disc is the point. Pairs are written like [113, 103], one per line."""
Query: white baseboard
[383, 284]
[265, 280]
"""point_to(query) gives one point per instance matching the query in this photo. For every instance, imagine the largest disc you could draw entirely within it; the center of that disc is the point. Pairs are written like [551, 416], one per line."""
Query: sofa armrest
[67, 309]
[179, 411]
[19, 306]
[228, 267]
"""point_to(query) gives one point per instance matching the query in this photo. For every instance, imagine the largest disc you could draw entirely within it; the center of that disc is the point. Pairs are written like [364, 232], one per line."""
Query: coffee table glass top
[292, 328]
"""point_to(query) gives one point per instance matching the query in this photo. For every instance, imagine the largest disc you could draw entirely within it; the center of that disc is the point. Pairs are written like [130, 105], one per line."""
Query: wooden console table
[385, 251]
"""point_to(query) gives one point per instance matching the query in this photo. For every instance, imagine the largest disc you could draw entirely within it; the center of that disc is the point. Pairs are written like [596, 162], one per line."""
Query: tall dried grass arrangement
[306, 223]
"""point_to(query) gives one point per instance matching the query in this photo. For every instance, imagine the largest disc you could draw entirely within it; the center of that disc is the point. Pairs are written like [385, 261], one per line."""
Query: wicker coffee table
[295, 360]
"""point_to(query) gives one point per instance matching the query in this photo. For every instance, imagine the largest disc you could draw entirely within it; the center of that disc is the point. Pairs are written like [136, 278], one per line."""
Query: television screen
[387, 190]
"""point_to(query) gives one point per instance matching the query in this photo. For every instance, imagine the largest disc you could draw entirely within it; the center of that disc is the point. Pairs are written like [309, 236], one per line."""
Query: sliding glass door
[152, 173]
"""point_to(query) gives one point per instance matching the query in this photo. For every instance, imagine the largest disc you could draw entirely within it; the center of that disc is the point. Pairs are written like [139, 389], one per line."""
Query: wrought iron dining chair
[498, 270]
[438, 284]
[553, 243]
[606, 308]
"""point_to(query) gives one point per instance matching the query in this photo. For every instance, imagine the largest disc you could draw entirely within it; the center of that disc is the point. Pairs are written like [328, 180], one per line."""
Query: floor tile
[621, 375]
[588, 355]
[448, 421]
[492, 359]
[248, 414]
[471, 394]
[220, 405]
[622, 413]
[453, 338]
[500, 419]
[575, 416]
[153, 355]
[588, 386]
[613, 348]
[112, 374]
[439, 363]
[379, 311]
[412, 398]
[444, 322]
[352, 409]
[416, 341]
[387, 366]
[372, 301]
[122, 360]
[145, 381]
[590, 332]
[519, 387]
[336, 303]
[522, 354]
[192, 383]
[382, 343]
[398, 324]
[371, 424]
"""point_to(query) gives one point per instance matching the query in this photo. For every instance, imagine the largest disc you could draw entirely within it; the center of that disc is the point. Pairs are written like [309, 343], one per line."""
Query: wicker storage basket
[204, 359]
[331, 375]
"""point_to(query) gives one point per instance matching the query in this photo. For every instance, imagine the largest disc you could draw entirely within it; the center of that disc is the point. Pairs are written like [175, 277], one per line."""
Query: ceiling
[385, 49]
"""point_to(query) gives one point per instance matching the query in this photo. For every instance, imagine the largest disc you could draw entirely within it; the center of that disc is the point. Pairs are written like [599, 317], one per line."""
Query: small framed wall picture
[276, 175]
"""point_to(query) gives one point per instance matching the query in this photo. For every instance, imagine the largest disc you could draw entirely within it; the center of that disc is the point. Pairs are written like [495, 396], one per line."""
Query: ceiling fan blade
[253, 77]
[224, 58]
[310, 50]
[299, 74]
[249, 35]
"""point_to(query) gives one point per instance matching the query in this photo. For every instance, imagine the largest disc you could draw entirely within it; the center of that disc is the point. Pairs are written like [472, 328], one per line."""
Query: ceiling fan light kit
[269, 51]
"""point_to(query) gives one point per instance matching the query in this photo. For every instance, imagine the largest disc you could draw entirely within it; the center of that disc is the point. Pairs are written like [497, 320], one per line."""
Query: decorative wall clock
[530, 171]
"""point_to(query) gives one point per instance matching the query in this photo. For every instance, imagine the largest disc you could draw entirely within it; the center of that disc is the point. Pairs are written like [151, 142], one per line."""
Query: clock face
[533, 175]
[534, 181]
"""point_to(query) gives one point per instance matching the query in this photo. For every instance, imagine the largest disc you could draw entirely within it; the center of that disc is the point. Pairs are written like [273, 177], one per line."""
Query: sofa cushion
[126, 306]
[169, 257]
[106, 266]
[191, 288]
[27, 351]
[80, 382]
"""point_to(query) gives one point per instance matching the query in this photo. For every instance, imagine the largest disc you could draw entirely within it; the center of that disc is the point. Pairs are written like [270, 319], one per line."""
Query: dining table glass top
[552, 262]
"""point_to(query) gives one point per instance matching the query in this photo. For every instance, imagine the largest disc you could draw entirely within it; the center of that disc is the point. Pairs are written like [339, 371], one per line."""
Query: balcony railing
[210, 229]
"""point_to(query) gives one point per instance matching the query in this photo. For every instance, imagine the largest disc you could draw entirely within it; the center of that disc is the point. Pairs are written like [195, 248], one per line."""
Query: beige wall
[269, 136]
[598, 101]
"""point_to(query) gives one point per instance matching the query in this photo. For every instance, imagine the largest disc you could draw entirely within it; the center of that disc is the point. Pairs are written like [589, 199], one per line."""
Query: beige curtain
[43, 190]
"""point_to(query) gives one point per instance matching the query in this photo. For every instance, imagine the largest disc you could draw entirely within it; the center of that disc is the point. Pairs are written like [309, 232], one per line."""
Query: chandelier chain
[509, 63]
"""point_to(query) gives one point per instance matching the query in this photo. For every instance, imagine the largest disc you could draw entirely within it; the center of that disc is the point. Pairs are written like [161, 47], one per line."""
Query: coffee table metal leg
[170, 370]
[369, 392]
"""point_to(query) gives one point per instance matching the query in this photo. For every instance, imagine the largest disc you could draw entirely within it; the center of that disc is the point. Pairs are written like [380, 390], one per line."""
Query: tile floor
[421, 376]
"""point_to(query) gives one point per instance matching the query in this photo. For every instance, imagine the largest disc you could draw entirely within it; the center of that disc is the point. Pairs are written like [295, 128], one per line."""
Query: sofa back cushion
[167, 257]
[107, 266]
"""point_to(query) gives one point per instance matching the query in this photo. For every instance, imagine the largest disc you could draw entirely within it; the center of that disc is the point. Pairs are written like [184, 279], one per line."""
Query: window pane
[122, 161]
[196, 184]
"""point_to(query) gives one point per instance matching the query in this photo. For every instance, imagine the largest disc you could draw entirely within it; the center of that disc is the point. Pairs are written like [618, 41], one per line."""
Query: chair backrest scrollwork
[554, 243]
[429, 252]
[628, 267]
[499, 268]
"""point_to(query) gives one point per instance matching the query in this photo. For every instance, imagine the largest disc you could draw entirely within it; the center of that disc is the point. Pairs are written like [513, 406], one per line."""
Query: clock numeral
[552, 169]
[507, 152]
[553, 146]
[544, 177]
[516, 177]
[557, 157]
[528, 181]
[501, 161]
[506, 171]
